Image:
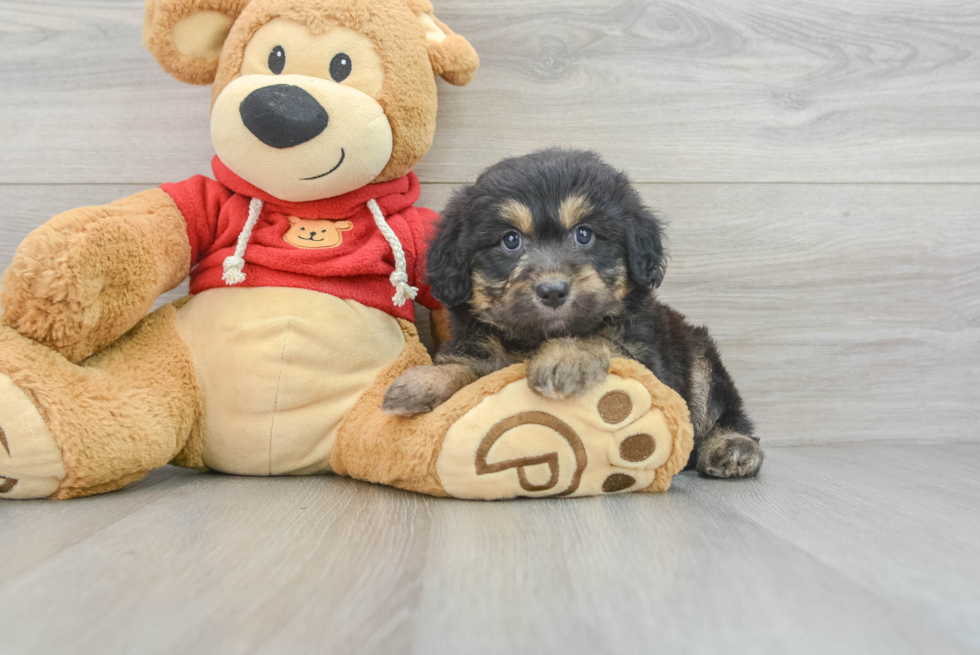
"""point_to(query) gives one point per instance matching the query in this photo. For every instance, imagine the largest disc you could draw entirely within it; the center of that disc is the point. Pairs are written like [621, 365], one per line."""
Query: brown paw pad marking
[615, 406]
[6, 484]
[618, 482]
[551, 459]
[637, 447]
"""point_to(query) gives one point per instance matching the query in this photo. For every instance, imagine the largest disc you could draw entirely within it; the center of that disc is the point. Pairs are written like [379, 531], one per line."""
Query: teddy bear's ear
[186, 36]
[452, 57]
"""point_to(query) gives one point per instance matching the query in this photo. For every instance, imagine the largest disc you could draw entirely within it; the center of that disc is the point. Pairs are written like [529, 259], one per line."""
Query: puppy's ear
[186, 36]
[646, 252]
[448, 264]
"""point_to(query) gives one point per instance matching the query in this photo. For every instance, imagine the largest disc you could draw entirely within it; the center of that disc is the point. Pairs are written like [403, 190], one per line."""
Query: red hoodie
[357, 268]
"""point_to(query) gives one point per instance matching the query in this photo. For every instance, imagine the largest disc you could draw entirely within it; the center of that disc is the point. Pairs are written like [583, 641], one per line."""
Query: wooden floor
[837, 549]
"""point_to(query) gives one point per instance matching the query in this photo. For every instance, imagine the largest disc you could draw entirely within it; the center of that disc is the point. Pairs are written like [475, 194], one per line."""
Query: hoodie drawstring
[399, 278]
[234, 265]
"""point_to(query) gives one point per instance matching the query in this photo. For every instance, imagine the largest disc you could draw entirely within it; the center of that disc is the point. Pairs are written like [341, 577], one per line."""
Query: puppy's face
[547, 268]
[546, 245]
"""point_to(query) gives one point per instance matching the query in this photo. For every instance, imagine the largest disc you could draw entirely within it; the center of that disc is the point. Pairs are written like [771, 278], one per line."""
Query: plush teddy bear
[304, 256]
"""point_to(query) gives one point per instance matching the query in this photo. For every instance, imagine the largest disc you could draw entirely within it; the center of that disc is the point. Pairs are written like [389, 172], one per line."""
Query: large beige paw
[31, 465]
[518, 443]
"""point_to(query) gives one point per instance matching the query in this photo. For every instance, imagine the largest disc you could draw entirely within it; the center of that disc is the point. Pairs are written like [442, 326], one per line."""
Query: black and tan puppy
[552, 259]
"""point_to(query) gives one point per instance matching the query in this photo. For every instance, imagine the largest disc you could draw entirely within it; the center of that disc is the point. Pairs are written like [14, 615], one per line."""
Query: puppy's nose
[553, 293]
[283, 116]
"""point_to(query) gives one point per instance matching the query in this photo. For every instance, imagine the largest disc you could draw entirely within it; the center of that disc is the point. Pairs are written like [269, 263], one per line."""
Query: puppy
[552, 259]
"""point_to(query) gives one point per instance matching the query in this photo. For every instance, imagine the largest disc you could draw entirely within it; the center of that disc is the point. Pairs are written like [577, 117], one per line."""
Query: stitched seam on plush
[275, 399]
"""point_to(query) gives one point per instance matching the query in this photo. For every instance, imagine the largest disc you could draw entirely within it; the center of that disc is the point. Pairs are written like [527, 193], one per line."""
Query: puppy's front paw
[564, 368]
[730, 455]
[420, 390]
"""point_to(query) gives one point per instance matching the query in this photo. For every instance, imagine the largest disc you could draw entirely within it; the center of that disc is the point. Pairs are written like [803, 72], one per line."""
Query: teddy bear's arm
[84, 278]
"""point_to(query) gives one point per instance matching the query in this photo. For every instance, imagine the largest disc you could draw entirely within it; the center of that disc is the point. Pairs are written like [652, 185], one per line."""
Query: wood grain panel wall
[705, 90]
[819, 164]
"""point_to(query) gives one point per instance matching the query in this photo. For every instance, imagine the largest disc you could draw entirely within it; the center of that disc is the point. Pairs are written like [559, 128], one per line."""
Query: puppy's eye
[584, 236]
[277, 60]
[340, 67]
[512, 241]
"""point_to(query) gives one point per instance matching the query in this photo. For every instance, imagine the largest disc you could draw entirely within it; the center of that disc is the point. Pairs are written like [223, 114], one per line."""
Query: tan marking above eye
[518, 215]
[573, 209]
[310, 54]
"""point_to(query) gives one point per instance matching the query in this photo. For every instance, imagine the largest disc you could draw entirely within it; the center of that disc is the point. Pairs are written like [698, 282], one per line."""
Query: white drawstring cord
[399, 278]
[234, 264]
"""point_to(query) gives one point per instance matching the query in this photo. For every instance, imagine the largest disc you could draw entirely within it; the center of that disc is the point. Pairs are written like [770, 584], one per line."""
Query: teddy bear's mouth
[307, 239]
[317, 177]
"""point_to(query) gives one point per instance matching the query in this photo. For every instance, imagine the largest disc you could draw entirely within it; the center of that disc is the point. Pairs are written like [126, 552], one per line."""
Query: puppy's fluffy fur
[552, 259]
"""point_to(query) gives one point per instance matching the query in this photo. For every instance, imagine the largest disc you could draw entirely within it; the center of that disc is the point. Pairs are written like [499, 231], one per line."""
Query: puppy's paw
[730, 455]
[421, 389]
[566, 368]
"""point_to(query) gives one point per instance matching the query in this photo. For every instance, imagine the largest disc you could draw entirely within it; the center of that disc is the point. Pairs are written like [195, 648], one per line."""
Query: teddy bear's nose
[283, 116]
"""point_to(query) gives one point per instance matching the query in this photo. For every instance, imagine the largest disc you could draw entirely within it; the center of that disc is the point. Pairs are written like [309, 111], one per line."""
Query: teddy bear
[306, 256]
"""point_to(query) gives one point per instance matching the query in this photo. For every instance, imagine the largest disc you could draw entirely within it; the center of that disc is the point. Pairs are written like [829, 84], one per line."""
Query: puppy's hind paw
[730, 455]
[422, 389]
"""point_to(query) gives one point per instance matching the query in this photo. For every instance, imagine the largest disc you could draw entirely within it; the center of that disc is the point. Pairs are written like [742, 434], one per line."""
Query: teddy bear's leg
[70, 430]
[498, 439]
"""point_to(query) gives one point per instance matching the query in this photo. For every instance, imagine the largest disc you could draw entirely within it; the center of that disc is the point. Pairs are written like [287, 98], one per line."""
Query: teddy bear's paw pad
[517, 443]
[31, 465]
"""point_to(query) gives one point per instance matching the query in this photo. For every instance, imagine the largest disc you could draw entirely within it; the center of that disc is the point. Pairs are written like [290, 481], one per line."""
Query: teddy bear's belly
[279, 368]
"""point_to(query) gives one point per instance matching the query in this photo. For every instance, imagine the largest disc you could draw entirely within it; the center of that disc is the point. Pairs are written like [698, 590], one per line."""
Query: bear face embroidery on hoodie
[316, 233]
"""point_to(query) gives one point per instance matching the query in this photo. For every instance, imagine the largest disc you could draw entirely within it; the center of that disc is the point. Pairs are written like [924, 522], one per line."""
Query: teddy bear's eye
[302, 229]
[340, 67]
[277, 60]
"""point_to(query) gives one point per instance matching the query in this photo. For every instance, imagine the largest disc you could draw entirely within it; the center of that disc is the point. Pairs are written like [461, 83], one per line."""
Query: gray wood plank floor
[868, 548]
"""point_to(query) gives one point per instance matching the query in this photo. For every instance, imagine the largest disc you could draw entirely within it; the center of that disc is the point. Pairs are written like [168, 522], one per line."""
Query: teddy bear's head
[313, 98]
